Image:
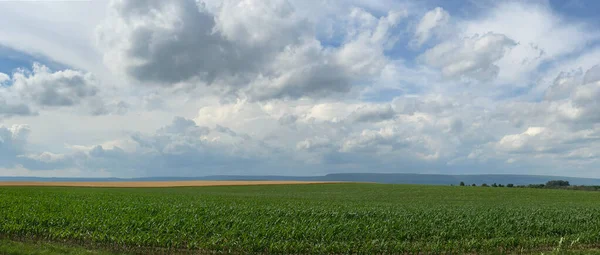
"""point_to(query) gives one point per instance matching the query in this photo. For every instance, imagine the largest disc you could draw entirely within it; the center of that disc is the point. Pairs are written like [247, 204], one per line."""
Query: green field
[325, 218]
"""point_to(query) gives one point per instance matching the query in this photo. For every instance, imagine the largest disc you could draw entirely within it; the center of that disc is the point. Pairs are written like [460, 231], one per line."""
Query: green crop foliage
[305, 219]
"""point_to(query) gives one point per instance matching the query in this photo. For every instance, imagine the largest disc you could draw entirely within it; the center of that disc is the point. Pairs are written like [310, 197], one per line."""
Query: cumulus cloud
[429, 24]
[474, 57]
[9, 110]
[53, 89]
[13, 140]
[592, 75]
[541, 36]
[42, 88]
[183, 126]
[158, 41]
[263, 25]
[256, 49]
[563, 84]
[391, 141]
[571, 100]
[300, 72]
[366, 40]
[542, 141]
[372, 113]
[4, 77]
[288, 119]
[185, 148]
[181, 146]
[315, 143]
[173, 42]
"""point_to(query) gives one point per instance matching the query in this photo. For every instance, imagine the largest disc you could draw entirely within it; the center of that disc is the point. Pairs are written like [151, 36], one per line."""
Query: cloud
[185, 148]
[592, 75]
[183, 126]
[9, 110]
[173, 42]
[563, 84]
[12, 143]
[46, 30]
[4, 77]
[288, 119]
[53, 89]
[572, 100]
[268, 26]
[541, 141]
[181, 146]
[44, 89]
[168, 42]
[540, 36]
[429, 25]
[372, 113]
[366, 39]
[517, 142]
[260, 50]
[315, 143]
[300, 72]
[473, 57]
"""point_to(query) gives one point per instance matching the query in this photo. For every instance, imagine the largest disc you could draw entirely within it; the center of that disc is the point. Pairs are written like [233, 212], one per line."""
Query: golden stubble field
[152, 184]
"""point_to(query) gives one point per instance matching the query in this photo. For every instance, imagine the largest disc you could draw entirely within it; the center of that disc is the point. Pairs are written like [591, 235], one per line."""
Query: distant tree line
[495, 185]
[553, 184]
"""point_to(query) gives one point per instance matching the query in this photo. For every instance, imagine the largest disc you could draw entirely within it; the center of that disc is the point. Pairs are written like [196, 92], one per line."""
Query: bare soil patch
[153, 184]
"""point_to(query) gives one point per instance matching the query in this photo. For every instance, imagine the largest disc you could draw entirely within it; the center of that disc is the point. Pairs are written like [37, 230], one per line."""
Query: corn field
[305, 219]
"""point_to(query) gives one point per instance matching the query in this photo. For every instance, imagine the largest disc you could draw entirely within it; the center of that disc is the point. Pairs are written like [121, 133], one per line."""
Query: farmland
[152, 184]
[314, 219]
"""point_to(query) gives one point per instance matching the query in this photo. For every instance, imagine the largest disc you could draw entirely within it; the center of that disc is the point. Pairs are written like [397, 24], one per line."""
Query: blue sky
[285, 87]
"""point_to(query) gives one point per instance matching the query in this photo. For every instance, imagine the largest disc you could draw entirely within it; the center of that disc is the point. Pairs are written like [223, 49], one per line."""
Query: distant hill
[439, 179]
[431, 179]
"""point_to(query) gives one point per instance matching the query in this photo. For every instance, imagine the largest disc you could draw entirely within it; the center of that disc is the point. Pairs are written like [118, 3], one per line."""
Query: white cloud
[372, 113]
[9, 110]
[592, 75]
[267, 25]
[540, 37]
[13, 140]
[53, 89]
[473, 57]
[4, 77]
[367, 37]
[42, 89]
[269, 49]
[60, 31]
[429, 25]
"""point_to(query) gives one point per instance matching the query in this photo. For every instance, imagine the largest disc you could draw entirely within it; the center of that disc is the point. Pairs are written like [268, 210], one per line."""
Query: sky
[300, 87]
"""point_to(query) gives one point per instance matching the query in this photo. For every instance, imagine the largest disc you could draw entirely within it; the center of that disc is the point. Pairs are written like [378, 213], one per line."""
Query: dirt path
[151, 184]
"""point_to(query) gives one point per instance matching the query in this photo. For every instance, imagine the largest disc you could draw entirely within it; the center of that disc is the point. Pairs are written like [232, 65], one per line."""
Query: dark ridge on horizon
[389, 178]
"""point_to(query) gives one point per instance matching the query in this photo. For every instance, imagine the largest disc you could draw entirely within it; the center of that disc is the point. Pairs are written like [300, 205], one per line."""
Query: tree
[484, 185]
[494, 185]
[557, 183]
[501, 185]
[474, 185]
[462, 184]
[536, 186]
[510, 185]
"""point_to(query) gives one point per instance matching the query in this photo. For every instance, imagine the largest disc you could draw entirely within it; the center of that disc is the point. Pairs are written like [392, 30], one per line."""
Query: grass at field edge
[10, 247]
[39, 247]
